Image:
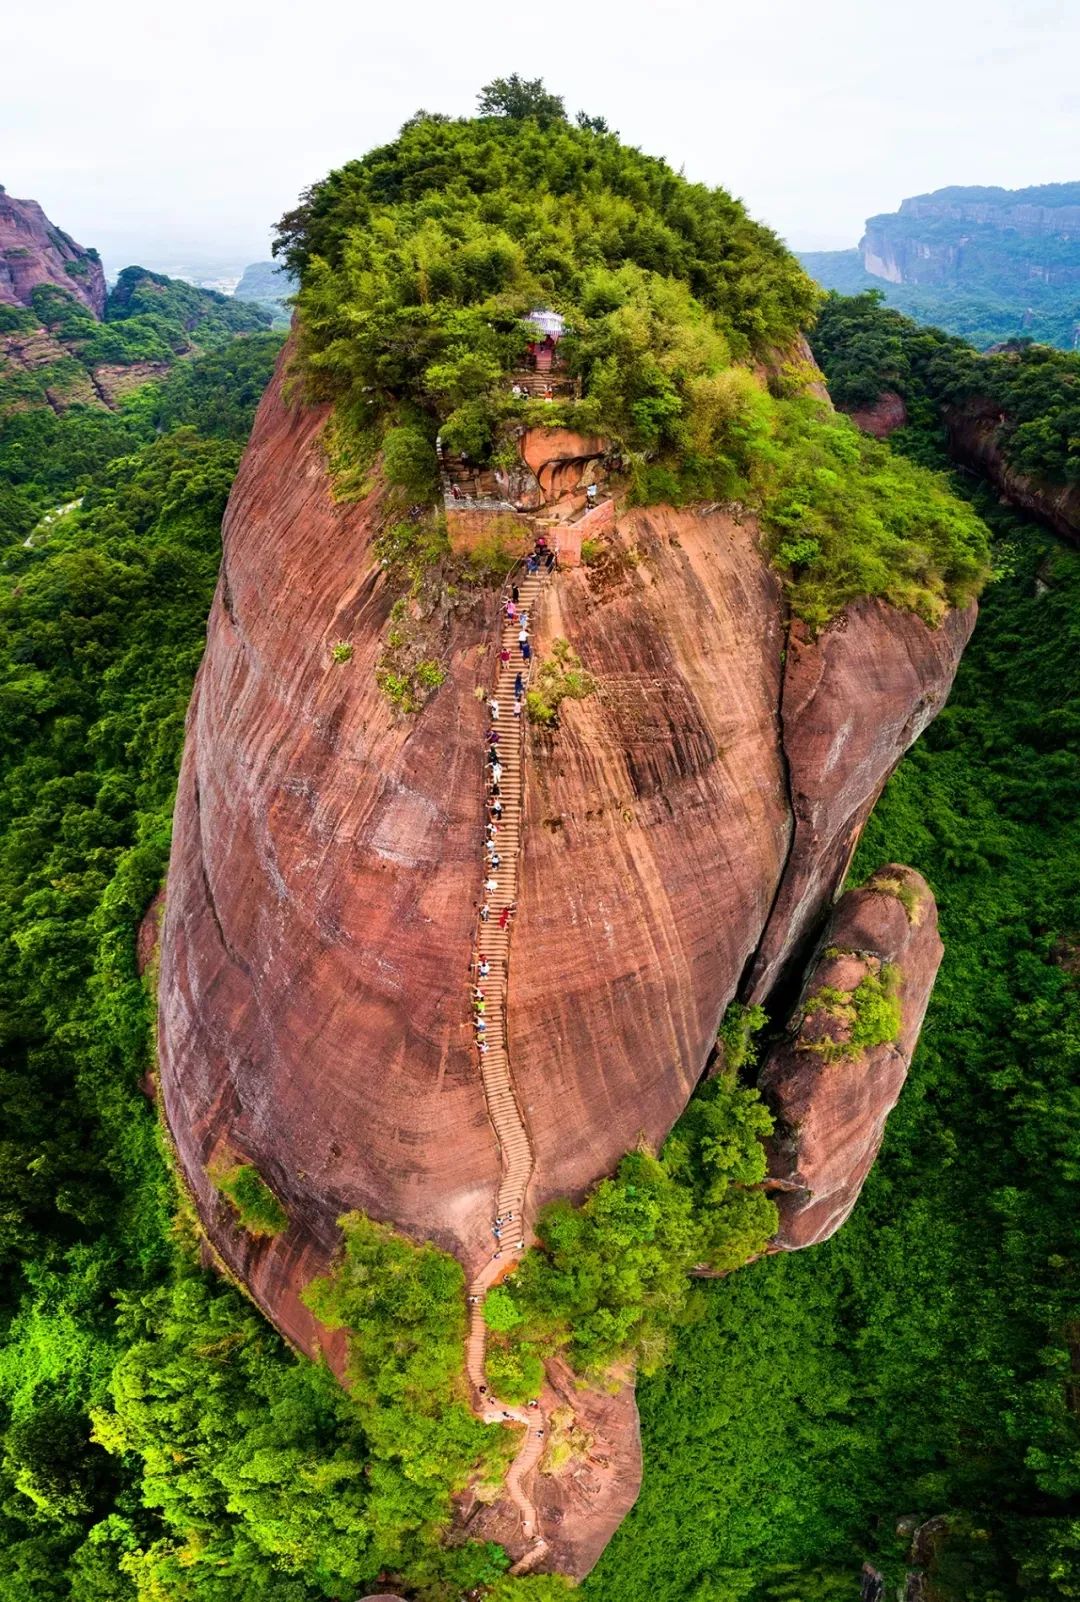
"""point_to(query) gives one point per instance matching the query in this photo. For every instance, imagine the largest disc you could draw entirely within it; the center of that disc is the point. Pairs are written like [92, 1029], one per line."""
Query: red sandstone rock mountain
[33, 251]
[831, 1110]
[687, 825]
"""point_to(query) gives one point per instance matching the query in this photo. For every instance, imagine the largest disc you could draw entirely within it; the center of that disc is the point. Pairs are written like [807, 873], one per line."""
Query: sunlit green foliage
[870, 1014]
[609, 1282]
[254, 1203]
[419, 265]
[560, 677]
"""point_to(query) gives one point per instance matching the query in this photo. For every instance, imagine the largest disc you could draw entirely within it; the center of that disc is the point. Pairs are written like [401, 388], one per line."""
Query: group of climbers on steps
[503, 794]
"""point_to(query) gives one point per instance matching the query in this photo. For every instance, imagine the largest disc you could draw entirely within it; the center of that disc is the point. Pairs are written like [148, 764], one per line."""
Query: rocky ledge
[872, 976]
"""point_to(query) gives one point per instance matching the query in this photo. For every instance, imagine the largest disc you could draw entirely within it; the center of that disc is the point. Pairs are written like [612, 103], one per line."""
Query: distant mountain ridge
[270, 285]
[986, 263]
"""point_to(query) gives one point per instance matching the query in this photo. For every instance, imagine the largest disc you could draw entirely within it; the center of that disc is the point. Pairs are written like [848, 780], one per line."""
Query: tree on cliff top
[520, 97]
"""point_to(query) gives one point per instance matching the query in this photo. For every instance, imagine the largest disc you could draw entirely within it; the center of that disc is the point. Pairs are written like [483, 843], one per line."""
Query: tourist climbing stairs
[495, 933]
[499, 895]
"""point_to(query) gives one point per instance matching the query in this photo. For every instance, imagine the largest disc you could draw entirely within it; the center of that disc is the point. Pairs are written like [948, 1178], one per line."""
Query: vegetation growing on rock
[251, 1198]
[868, 1016]
[419, 265]
[865, 348]
[559, 677]
[921, 1361]
[609, 1282]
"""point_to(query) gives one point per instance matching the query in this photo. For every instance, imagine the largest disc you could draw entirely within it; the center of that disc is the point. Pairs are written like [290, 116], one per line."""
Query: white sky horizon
[184, 136]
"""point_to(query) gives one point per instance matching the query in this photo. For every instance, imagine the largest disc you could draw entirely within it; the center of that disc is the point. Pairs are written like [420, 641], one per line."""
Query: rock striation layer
[830, 1099]
[33, 251]
[687, 824]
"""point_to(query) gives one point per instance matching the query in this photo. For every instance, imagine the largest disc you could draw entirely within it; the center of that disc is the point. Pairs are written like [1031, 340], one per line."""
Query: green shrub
[430, 674]
[609, 1281]
[341, 651]
[515, 1373]
[410, 461]
[251, 1199]
[591, 551]
[736, 1034]
[872, 1010]
[410, 547]
[501, 1312]
[558, 678]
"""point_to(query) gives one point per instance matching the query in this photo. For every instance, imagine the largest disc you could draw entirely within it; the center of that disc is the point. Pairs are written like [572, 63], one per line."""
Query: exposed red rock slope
[325, 866]
[854, 700]
[883, 417]
[33, 251]
[831, 1113]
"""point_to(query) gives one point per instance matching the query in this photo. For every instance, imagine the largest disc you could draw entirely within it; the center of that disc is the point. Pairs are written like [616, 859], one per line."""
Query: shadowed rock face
[831, 1110]
[323, 883]
[975, 431]
[33, 252]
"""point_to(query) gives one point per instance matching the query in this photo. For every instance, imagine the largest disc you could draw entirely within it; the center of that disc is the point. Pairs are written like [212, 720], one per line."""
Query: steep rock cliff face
[33, 251]
[321, 901]
[657, 827]
[1013, 240]
[975, 440]
[887, 414]
[323, 884]
[830, 1106]
[687, 823]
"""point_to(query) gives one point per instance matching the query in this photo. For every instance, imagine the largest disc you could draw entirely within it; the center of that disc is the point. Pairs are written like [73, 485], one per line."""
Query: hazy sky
[167, 131]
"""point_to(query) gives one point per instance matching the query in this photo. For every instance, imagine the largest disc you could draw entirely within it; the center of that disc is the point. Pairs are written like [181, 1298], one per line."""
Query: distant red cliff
[34, 251]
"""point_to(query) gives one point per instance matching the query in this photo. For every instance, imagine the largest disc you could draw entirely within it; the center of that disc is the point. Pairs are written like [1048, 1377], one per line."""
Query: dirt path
[493, 947]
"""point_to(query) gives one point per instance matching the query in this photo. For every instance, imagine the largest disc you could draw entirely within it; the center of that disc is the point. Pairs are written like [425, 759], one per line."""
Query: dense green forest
[865, 347]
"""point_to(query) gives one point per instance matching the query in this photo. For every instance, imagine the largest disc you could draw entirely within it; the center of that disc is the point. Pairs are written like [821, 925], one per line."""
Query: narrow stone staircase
[493, 941]
[493, 945]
